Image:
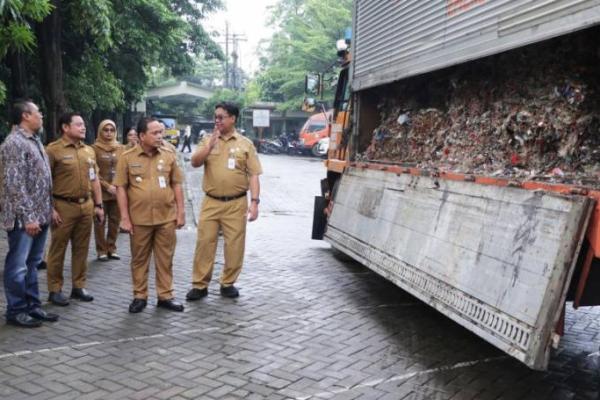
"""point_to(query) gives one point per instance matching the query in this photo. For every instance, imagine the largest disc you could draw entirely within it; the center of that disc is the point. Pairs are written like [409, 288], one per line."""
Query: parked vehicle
[171, 134]
[271, 146]
[496, 251]
[323, 147]
[314, 129]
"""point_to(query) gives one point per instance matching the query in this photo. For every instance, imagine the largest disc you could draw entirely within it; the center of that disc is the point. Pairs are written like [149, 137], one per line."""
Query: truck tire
[315, 150]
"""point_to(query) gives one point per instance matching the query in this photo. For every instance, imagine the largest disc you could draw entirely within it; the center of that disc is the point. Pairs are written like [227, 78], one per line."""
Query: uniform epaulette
[168, 149]
[53, 143]
[129, 150]
[247, 139]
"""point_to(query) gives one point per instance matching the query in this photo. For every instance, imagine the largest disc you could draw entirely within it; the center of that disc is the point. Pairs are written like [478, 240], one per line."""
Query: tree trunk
[18, 75]
[49, 34]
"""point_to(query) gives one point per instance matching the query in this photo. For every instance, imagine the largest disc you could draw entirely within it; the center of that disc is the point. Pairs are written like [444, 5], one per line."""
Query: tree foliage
[107, 47]
[125, 39]
[303, 42]
[16, 28]
[208, 107]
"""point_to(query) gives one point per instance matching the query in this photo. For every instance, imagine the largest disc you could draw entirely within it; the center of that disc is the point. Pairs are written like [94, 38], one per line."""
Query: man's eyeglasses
[221, 117]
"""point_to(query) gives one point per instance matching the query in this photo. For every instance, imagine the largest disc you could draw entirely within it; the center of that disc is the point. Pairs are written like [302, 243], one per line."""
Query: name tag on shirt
[162, 182]
[92, 173]
[231, 163]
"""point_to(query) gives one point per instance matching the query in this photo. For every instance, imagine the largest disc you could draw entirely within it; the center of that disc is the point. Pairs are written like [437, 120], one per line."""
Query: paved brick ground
[307, 326]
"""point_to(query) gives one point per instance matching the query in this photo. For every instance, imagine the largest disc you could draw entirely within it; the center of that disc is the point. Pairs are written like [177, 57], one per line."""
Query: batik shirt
[26, 186]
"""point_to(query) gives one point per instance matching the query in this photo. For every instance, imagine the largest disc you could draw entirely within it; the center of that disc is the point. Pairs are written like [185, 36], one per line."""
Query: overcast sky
[245, 17]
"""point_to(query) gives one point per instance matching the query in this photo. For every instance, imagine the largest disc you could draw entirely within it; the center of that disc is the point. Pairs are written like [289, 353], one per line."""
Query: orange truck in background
[315, 128]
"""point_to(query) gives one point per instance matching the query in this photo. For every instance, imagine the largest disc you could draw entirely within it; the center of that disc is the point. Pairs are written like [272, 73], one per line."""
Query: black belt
[226, 198]
[78, 200]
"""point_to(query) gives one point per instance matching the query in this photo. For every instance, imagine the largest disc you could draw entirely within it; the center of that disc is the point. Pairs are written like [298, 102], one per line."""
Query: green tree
[17, 38]
[207, 72]
[208, 107]
[97, 56]
[303, 42]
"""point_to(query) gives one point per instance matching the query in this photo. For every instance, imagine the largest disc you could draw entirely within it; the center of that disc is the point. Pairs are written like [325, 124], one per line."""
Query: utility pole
[232, 71]
[236, 38]
[227, 54]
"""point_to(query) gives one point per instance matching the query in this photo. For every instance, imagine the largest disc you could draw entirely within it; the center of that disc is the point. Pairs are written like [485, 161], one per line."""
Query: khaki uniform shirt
[73, 168]
[149, 182]
[107, 165]
[223, 177]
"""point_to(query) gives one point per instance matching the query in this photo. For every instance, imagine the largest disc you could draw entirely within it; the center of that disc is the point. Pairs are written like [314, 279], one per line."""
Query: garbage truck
[464, 161]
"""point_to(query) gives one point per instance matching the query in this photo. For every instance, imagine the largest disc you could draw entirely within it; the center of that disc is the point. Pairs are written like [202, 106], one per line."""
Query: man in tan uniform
[150, 199]
[231, 167]
[108, 150]
[74, 184]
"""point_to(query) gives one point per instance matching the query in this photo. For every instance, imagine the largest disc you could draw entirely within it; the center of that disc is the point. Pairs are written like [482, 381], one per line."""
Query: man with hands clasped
[150, 198]
[231, 168]
[77, 199]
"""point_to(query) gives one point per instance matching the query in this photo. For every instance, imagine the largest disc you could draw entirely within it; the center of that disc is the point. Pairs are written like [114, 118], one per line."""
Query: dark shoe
[58, 299]
[42, 315]
[42, 266]
[81, 294]
[229, 291]
[137, 305]
[196, 294]
[114, 256]
[102, 257]
[170, 304]
[24, 321]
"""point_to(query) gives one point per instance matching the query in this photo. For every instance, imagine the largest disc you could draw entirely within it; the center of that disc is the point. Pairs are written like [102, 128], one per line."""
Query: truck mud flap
[497, 260]
[319, 218]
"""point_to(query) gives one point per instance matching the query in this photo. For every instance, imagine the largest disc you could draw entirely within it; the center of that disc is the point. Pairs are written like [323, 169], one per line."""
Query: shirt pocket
[241, 158]
[69, 165]
[215, 152]
[137, 173]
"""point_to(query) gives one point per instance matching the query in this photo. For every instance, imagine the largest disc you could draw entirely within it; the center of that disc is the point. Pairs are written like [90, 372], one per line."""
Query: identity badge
[92, 173]
[162, 182]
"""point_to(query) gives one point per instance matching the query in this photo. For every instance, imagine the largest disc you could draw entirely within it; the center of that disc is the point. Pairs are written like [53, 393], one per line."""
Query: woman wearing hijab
[108, 151]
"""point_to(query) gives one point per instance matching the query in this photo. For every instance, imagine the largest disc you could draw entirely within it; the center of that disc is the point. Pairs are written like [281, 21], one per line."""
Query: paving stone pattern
[307, 325]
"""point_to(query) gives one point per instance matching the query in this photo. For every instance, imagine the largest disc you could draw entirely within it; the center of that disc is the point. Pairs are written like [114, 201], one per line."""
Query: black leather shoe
[81, 294]
[42, 266]
[170, 304]
[137, 305]
[229, 291]
[114, 256]
[58, 299]
[196, 294]
[24, 321]
[42, 315]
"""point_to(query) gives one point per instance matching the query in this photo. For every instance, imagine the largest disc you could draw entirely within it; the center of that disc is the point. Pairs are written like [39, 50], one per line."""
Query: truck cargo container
[463, 163]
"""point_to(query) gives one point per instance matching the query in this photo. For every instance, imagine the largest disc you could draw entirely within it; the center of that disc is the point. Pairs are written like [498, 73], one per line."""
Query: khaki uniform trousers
[231, 216]
[76, 228]
[160, 240]
[106, 241]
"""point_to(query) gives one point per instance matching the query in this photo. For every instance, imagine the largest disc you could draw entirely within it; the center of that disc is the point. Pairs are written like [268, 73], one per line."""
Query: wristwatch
[100, 206]
[256, 200]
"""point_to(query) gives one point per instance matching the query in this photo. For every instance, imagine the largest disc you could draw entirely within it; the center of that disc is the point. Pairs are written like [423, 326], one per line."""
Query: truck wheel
[315, 150]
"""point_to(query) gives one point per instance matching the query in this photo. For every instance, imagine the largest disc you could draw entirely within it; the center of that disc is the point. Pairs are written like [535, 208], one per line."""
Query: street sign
[260, 118]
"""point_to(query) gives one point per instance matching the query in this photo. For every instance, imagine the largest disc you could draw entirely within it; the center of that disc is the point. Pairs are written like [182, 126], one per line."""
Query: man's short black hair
[19, 107]
[66, 119]
[142, 126]
[231, 108]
